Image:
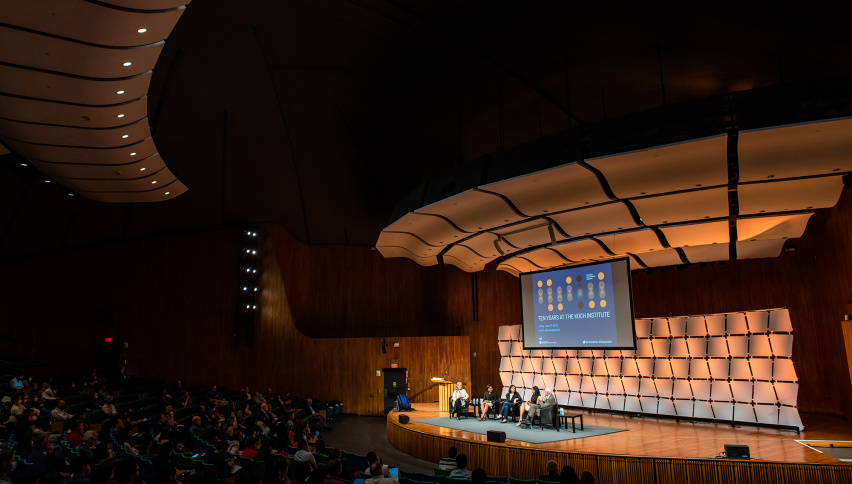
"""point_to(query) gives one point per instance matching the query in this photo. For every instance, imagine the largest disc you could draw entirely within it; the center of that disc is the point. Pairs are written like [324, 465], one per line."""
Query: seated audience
[461, 471]
[552, 472]
[252, 446]
[449, 463]
[317, 419]
[478, 476]
[333, 469]
[59, 412]
[569, 476]
[376, 476]
[304, 455]
[587, 478]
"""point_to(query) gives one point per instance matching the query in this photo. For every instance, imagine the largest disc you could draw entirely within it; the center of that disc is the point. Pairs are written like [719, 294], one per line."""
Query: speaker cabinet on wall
[403, 419]
[495, 435]
[737, 452]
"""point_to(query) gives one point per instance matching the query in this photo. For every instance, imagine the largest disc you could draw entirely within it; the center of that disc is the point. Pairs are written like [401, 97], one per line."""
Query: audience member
[252, 446]
[304, 455]
[449, 463]
[569, 476]
[59, 412]
[587, 478]
[461, 471]
[79, 471]
[317, 419]
[333, 469]
[376, 476]
[478, 476]
[552, 472]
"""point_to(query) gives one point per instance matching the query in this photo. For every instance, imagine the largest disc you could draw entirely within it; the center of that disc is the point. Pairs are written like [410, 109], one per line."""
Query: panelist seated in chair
[527, 406]
[489, 400]
[459, 400]
[512, 398]
[545, 401]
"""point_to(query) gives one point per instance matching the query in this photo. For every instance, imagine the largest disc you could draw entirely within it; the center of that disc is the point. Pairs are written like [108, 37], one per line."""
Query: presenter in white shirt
[459, 400]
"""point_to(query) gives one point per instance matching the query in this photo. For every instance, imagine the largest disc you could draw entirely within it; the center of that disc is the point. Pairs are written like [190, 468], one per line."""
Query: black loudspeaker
[495, 436]
[737, 452]
[403, 419]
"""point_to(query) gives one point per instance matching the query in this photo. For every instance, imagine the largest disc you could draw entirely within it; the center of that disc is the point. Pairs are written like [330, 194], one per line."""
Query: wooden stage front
[652, 450]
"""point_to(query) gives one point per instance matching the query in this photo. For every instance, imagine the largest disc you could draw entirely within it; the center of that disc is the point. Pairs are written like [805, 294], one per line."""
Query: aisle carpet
[533, 435]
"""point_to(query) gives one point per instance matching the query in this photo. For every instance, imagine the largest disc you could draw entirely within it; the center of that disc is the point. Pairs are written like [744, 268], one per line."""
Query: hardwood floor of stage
[662, 437]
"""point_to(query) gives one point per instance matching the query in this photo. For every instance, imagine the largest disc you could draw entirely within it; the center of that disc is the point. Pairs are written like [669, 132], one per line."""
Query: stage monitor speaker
[496, 436]
[737, 452]
[403, 419]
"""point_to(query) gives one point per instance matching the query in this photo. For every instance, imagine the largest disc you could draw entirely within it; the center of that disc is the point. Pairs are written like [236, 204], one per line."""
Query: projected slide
[580, 307]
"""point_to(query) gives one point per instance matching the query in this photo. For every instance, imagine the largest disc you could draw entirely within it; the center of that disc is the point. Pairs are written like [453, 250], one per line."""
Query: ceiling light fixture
[142, 169]
[154, 182]
[133, 154]
[167, 193]
[125, 136]
[120, 116]
[119, 92]
[142, 31]
[127, 64]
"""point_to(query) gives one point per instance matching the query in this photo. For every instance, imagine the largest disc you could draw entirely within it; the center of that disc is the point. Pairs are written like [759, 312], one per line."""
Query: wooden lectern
[445, 391]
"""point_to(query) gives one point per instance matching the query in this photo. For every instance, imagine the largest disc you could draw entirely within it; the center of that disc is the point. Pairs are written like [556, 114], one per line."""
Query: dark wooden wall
[325, 308]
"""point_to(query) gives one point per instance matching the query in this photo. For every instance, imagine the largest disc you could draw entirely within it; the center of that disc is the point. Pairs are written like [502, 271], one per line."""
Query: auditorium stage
[648, 449]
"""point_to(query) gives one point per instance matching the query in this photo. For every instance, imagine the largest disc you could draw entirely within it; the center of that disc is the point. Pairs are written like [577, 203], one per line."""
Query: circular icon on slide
[591, 304]
[580, 304]
[549, 282]
[550, 307]
[600, 275]
[602, 284]
[539, 283]
[568, 279]
[560, 307]
[603, 303]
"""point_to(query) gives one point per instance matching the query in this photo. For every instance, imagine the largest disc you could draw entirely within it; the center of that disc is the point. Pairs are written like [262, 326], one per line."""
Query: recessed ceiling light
[125, 135]
[153, 182]
[142, 31]
[142, 169]
[70, 194]
[120, 116]
[47, 181]
[168, 193]
[119, 92]
[23, 164]
[133, 154]
[127, 64]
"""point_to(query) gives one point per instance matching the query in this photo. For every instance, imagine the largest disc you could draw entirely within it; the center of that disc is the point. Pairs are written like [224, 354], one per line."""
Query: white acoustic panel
[669, 374]
[789, 416]
[683, 408]
[677, 326]
[643, 328]
[715, 324]
[507, 333]
[779, 320]
[517, 349]
[736, 323]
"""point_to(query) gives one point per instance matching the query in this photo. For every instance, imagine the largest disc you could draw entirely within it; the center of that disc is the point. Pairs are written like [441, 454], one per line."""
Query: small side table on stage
[564, 416]
[445, 391]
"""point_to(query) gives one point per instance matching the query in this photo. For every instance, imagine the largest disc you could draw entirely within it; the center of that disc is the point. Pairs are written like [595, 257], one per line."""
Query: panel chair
[548, 417]
[442, 472]
[463, 411]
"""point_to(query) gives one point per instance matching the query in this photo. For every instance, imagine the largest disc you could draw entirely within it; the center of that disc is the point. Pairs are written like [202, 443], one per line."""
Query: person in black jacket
[512, 398]
[488, 401]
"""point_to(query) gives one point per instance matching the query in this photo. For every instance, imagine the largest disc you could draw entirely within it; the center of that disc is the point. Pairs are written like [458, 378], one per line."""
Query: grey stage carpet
[533, 435]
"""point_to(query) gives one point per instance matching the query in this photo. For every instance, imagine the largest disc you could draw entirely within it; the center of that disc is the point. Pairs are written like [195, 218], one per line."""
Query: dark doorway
[394, 385]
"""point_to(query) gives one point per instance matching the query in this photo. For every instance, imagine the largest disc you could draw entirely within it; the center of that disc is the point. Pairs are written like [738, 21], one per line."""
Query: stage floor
[663, 437]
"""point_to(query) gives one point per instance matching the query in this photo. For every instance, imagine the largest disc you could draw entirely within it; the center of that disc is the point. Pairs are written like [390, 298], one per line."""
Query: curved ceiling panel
[474, 210]
[151, 164]
[45, 112]
[563, 188]
[75, 59]
[705, 233]
[796, 151]
[93, 23]
[673, 202]
[707, 253]
[759, 249]
[683, 207]
[434, 230]
[581, 250]
[666, 257]
[152, 5]
[55, 87]
[595, 220]
[74, 136]
[390, 252]
[670, 168]
[633, 242]
[772, 227]
[120, 155]
[790, 195]
[412, 243]
[73, 93]
[483, 244]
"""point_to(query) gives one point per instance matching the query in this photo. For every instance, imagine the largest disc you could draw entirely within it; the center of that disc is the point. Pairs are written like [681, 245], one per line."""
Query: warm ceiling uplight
[168, 193]
[133, 154]
[153, 182]
[119, 92]
[120, 116]
[23, 164]
[142, 31]
[127, 64]
[142, 169]
[125, 136]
